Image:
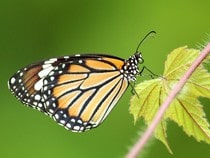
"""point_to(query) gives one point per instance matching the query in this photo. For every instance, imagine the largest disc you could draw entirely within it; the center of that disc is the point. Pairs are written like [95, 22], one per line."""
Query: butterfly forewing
[80, 99]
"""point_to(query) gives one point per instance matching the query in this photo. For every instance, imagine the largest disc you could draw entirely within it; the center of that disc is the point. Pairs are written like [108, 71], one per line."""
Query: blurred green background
[31, 30]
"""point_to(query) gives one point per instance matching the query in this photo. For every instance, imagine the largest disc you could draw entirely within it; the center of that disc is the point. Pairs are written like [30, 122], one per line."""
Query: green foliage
[185, 110]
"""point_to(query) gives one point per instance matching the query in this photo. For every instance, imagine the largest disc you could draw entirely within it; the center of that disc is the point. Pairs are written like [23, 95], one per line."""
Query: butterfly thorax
[130, 68]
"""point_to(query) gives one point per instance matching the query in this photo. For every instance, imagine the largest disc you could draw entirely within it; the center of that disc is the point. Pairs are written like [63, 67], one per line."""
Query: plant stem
[137, 148]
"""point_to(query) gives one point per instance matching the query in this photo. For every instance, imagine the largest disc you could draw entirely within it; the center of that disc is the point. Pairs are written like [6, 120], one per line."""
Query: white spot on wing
[46, 66]
[37, 97]
[73, 120]
[56, 116]
[51, 111]
[81, 128]
[62, 121]
[50, 61]
[21, 74]
[45, 72]
[76, 128]
[12, 81]
[38, 85]
[40, 105]
[68, 125]
[35, 103]
[52, 78]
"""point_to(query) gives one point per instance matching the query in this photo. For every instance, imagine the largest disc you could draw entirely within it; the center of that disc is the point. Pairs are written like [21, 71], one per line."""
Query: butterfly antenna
[147, 35]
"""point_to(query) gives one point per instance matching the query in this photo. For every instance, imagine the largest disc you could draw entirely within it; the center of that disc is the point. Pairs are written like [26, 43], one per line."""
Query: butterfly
[77, 91]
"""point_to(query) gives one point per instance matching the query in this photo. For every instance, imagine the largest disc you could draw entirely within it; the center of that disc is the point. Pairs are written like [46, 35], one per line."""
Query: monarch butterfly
[78, 91]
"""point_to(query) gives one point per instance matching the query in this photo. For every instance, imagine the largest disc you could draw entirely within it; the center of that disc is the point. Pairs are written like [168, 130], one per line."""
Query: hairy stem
[137, 148]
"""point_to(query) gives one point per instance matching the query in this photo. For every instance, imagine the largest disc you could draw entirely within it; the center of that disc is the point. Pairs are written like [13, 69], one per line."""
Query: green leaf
[186, 110]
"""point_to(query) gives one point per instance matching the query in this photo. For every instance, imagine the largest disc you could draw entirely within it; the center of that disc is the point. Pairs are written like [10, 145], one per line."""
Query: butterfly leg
[151, 73]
